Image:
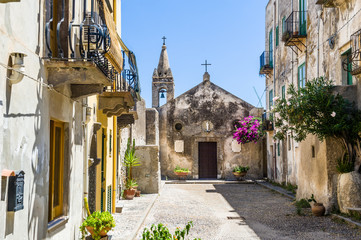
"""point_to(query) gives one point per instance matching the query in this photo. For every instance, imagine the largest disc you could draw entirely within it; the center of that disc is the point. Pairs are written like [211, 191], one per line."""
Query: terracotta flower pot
[137, 193]
[239, 174]
[181, 173]
[318, 209]
[129, 194]
[103, 233]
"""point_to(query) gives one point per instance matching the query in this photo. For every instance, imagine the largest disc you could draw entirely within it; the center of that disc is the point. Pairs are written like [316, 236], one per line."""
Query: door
[303, 17]
[103, 171]
[207, 159]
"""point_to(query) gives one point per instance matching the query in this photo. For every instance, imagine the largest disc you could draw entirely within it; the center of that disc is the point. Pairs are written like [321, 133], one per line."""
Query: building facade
[196, 128]
[66, 93]
[306, 39]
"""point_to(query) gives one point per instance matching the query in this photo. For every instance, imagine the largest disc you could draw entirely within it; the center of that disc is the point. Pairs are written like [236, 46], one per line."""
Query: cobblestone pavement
[264, 214]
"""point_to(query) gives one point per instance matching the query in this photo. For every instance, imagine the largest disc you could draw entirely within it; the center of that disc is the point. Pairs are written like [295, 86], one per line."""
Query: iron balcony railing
[296, 26]
[266, 62]
[352, 62]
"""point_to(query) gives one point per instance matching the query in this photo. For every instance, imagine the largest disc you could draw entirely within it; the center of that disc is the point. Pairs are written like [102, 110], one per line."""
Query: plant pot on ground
[240, 171]
[181, 171]
[137, 193]
[130, 190]
[98, 224]
[317, 209]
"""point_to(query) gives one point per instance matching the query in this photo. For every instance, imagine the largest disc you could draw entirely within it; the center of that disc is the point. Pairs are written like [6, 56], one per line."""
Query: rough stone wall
[205, 102]
[321, 59]
[148, 174]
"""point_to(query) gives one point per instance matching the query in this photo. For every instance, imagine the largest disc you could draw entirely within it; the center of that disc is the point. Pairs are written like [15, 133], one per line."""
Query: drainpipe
[319, 13]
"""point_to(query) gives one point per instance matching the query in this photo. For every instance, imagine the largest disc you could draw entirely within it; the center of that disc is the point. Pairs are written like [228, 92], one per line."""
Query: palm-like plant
[130, 160]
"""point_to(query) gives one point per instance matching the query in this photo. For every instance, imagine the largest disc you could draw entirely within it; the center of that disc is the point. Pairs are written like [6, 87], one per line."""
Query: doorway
[207, 159]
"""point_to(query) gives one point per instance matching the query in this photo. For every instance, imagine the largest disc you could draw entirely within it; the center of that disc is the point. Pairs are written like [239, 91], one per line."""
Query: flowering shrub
[250, 130]
[315, 110]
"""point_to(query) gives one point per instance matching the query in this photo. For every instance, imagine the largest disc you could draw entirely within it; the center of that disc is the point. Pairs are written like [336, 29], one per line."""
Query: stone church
[196, 128]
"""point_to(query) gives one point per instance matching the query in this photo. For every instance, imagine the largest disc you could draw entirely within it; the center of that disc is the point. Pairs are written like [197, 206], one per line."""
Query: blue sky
[228, 33]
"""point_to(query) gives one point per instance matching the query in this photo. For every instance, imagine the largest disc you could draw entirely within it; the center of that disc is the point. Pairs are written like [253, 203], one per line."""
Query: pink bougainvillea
[250, 129]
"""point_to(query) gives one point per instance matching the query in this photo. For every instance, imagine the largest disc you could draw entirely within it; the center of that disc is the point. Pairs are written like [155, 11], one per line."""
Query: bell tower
[163, 82]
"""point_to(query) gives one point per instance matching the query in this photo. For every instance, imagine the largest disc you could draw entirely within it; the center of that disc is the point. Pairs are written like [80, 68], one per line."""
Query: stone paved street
[266, 214]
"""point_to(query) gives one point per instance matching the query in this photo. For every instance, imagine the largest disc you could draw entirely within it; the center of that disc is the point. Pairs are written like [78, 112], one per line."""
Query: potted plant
[130, 159]
[240, 171]
[130, 190]
[181, 171]
[98, 224]
[317, 208]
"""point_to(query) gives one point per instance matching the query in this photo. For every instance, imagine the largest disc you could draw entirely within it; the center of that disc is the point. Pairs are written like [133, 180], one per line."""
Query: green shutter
[283, 92]
[278, 149]
[302, 75]
[270, 100]
[303, 17]
[277, 36]
[284, 25]
[270, 47]
[109, 202]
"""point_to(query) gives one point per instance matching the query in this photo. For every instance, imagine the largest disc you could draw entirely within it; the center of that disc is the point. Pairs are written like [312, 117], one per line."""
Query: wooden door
[207, 159]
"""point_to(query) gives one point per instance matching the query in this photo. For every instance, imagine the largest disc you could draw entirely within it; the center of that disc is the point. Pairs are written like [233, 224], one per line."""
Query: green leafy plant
[161, 232]
[98, 221]
[316, 110]
[130, 159]
[302, 203]
[344, 165]
[179, 169]
[240, 169]
[131, 184]
[312, 199]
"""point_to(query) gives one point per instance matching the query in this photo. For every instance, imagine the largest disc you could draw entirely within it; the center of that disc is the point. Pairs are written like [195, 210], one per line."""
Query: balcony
[266, 63]
[330, 3]
[127, 119]
[295, 30]
[352, 62]
[84, 55]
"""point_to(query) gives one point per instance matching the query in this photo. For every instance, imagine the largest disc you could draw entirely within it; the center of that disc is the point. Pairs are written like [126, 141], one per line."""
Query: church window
[236, 124]
[178, 126]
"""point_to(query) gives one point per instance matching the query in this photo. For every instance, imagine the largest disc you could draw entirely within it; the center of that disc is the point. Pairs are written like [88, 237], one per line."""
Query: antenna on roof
[259, 98]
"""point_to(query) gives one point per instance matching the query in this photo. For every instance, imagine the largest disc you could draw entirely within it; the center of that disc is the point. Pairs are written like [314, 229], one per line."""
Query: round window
[236, 124]
[178, 126]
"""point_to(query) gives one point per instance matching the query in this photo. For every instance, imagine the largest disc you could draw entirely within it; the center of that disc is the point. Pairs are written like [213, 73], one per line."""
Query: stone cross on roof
[164, 38]
[206, 64]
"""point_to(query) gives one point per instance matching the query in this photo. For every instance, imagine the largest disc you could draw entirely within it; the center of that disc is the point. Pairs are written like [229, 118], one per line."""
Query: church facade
[196, 129]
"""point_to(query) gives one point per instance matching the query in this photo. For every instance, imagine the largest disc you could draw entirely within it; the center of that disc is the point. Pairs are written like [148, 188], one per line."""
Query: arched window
[162, 96]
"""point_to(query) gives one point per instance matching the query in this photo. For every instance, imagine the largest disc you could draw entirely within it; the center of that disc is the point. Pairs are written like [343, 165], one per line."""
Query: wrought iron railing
[296, 26]
[87, 40]
[352, 62]
[266, 61]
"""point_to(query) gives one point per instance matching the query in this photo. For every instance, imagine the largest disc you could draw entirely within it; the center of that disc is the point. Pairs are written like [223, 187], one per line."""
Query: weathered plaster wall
[317, 175]
[148, 174]
[205, 102]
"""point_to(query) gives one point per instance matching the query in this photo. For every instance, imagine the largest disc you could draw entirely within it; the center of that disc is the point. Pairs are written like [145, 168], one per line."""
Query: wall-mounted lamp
[18, 68]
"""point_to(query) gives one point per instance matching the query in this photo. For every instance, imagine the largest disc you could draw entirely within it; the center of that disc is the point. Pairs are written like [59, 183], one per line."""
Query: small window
[278, 149]
[346, 75]
[284, 28]
[277, 36]
[313, 152]
[236, 124]
[178, 126]
[283, 92]
[302, 76]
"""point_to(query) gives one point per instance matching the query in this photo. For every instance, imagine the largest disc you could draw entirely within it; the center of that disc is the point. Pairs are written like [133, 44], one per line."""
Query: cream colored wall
[312, 175]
